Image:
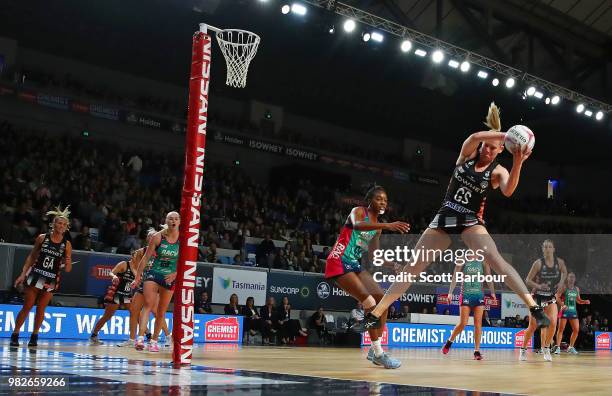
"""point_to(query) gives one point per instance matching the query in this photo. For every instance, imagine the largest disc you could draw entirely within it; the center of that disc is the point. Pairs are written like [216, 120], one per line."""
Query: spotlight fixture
[530, 91]
[538, 95]
[580, 108]
[406, 46]
[465, 66]
[377, 37]
[366, 37]
[420, 52]
[599, 115]
[510, 82]
[437, 56]
[495, 82]
[453, 63]
[547, 100]
[555, 100]
[483, 74]
[349, 25]
[588, 113]
[285, 9]
[298, 9]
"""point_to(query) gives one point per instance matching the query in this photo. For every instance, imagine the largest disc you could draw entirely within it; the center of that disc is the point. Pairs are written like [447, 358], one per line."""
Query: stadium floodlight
[465, 66]
[420, 52]
[555, 100]
[599, 115]
[510, 82]
[580, 108]
[285, 9]
[349, 25]
[377, 37]
[538, 95]
[298, 9]
[437, 56]
[332, 29]
[588, 113]
[482, 74]
[406, 45]
[366, 37]
[495, 82]
[547, 100]
[531, 91]
[453, 63]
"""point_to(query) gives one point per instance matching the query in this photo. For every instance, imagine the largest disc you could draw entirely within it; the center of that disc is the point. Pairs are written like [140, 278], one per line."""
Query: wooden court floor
[589, 373]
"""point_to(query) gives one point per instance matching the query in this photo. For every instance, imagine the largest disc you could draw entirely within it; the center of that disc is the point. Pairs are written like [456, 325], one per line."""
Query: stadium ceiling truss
[406, 31]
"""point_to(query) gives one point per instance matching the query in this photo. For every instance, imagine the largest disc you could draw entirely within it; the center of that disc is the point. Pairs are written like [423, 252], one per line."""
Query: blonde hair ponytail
[493, 120]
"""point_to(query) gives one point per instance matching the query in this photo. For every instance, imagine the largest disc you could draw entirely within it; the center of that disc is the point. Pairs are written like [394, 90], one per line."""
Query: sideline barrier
[423, 335]
[77, 324]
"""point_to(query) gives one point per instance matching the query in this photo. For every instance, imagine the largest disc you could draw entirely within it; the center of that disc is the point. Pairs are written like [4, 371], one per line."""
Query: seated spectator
[252, 321]
[269, 320]
[203, 305]
[392, 314]
[406, 311]
[226, 242]
[485, 319]
[317, 322]
[211, 254]
[289, 328]
[238, 259]
[79, 241]
[446, 312]
[232, 308]
[357, 314]
[280, 261]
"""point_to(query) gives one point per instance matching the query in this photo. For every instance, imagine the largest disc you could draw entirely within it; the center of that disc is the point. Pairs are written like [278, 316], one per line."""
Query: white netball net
[238, 47]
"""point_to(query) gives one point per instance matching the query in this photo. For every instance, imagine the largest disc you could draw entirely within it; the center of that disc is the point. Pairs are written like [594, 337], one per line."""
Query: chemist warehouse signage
[78, 323]
[426, 335]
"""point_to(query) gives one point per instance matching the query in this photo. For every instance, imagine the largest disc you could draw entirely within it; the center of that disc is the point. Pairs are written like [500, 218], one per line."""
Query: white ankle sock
[378, 351]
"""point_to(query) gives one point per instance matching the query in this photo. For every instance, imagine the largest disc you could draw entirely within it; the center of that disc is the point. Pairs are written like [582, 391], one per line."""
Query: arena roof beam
[480, 30]
[417, 37]
[556, 31]
[397, 12]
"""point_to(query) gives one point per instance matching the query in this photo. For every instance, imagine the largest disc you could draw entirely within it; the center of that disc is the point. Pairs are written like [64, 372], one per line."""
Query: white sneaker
[547, 355]
[125, 343]
[522, 354]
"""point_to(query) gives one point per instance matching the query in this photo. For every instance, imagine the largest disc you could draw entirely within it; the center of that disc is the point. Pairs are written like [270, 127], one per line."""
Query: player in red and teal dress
[360, 233]
[471, 300]
[570, 295]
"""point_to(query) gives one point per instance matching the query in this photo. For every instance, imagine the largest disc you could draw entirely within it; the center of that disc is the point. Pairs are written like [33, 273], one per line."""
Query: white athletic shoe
[547, 355]
[572, 350]
[522, 354]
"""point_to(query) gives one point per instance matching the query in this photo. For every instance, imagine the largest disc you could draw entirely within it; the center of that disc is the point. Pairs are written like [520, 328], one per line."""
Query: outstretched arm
[471, 143]
[358, 220]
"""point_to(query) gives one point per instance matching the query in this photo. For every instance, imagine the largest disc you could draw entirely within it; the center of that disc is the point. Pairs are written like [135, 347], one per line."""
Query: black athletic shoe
[14, 340]
[368, 323]
[33, 340]
[538, 314]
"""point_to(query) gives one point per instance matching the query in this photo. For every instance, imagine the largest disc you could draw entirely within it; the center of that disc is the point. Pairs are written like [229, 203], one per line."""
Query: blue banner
[78, 323]
[428, 335]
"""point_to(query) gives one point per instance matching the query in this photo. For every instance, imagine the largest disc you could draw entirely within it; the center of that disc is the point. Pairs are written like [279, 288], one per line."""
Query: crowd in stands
[76, 88]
